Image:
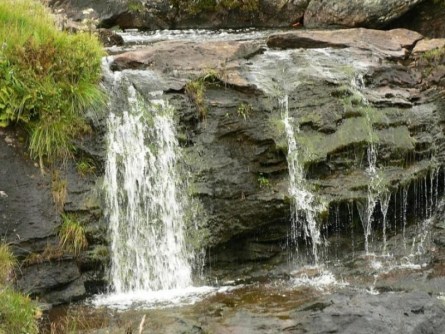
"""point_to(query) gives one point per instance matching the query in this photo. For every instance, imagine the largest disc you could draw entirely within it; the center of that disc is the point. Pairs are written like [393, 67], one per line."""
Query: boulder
[355, 13]
[392, 43]
[192, 57]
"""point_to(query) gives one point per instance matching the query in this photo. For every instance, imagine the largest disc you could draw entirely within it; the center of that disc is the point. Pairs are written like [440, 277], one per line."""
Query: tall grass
[48, 78]
[18, 314]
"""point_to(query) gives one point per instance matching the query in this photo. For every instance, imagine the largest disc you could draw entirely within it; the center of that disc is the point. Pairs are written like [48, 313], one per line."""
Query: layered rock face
[347, 91]
[30, 222]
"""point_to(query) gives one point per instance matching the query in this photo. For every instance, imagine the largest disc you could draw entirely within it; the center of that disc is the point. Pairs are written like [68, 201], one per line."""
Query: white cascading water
[145, 200]
[366, 210]
[304, 206]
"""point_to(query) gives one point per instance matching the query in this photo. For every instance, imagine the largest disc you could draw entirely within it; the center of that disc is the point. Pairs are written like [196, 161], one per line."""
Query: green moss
[135, 6]
[200, 6]
[48, 78]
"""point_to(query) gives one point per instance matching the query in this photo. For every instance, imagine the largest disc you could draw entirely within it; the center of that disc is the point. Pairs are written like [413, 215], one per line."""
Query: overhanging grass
[48, 78]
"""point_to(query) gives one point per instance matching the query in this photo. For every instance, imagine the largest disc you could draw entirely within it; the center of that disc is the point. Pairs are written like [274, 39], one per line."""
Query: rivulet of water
[304, 206]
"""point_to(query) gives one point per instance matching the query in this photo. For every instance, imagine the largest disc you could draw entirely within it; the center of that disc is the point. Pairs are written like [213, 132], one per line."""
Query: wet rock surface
[360, 81]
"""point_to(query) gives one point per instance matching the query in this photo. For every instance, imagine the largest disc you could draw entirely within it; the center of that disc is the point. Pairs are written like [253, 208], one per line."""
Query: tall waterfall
[304, 207]
[145, 199]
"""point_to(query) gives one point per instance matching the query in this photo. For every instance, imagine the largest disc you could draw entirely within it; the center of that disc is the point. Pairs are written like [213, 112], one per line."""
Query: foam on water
[143, 299]
[317, 278]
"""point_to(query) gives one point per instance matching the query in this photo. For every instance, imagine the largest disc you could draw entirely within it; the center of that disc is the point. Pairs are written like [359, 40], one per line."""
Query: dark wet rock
[110, 38]
[413, 312]
[392, 43]
[356, 13]
[43, 277]
[27, 212]
[427, 18]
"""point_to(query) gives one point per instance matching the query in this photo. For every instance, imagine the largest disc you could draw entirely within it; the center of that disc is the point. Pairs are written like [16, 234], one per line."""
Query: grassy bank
[48, 78]
[18, 314]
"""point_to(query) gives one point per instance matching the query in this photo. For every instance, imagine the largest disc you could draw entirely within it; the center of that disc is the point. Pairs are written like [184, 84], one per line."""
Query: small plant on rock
[196, 89]
[59, 190]
[244, 110]
[72, 235]
[263, 181]
[85, 167]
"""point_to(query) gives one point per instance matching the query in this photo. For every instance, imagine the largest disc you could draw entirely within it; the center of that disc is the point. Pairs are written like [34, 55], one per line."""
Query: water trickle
[384, 205]
[404, 211]
[304, 206]
[366, 210]
[145, 201]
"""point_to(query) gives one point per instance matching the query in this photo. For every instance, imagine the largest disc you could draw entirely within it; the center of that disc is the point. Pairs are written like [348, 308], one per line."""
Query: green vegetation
[263, 181]
[18, 313]
[198, 6]
[48, 78]
[85, 167]
[244, 110]
[7, 263]
[196, 89]
[59, 190]
[72, 235]
[135, 6]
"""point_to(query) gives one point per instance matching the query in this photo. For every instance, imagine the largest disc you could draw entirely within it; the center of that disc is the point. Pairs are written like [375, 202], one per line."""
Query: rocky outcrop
[355, 13]
[363, 88]
[424, 16]
[393, 43]
[179, 14]
[30, 223]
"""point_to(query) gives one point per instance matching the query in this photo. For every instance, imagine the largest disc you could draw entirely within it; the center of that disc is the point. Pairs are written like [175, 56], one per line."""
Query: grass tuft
[7, 263]
[48, 78]
[72, 235]
[18, 314]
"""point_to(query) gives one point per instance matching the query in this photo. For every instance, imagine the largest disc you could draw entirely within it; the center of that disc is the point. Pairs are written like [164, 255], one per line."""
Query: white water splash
[145, 201]
[156, 299]
[316, 277]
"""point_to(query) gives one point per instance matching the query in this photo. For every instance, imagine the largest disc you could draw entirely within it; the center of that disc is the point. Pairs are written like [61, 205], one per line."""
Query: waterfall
[304, 207]
[145, 199]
